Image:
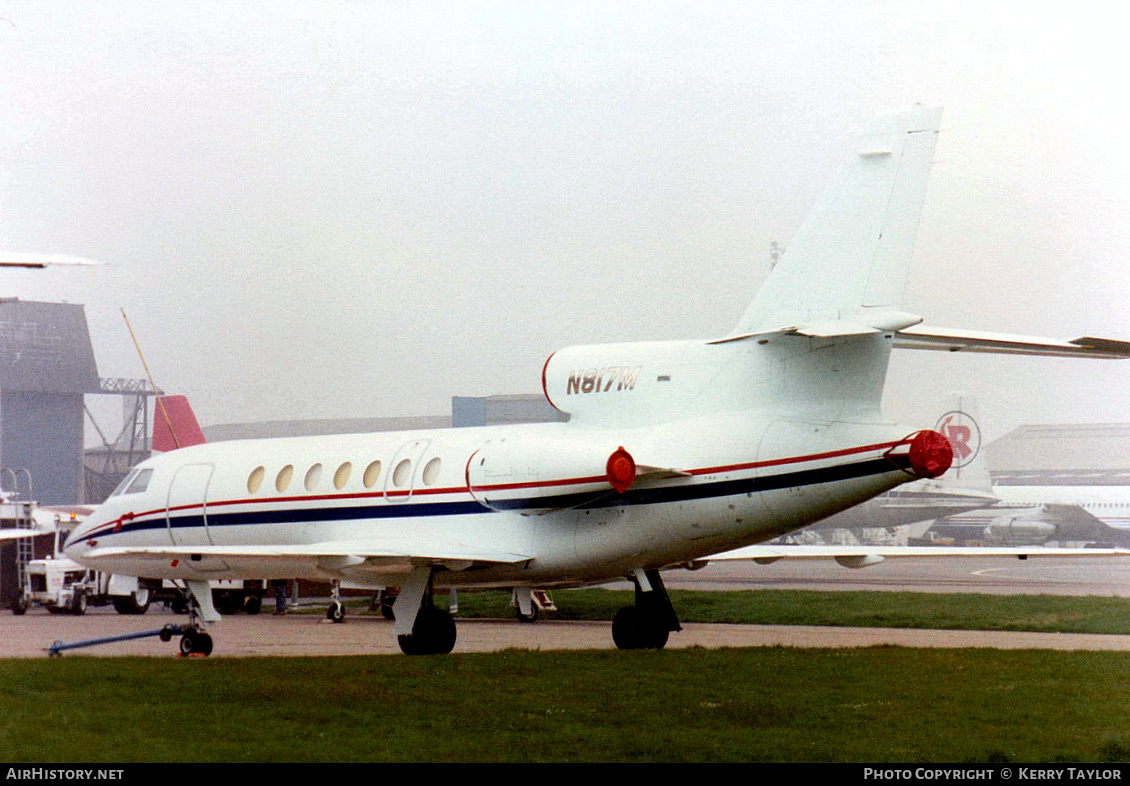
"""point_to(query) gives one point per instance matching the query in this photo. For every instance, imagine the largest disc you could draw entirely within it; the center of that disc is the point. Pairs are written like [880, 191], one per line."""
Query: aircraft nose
[75, 545]
[70, 545]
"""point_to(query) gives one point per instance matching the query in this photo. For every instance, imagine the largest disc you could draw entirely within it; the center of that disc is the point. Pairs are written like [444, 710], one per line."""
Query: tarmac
[365, 633]
[309, 634]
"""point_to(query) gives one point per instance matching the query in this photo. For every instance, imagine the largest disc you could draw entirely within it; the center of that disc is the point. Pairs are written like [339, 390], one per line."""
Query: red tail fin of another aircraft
[175, 424]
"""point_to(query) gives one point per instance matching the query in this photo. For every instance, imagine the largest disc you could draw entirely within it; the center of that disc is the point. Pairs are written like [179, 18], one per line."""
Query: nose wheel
[196, 642]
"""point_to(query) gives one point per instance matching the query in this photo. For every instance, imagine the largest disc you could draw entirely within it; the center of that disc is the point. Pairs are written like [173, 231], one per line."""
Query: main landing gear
[195, 640]
[420, 627]
[647, 624]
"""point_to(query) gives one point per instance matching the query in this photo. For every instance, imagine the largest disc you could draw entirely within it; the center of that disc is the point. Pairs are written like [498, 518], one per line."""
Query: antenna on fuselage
[149, 376]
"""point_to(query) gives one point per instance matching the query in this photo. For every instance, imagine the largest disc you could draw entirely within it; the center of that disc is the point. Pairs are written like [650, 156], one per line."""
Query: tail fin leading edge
[854, 249]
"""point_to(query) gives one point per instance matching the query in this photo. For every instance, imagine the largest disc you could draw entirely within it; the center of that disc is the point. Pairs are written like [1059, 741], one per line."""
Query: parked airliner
[1039, 514]
[674, 450]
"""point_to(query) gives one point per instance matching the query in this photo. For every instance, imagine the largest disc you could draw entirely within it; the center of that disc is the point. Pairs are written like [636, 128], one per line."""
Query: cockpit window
[125, 482]
[140, 483]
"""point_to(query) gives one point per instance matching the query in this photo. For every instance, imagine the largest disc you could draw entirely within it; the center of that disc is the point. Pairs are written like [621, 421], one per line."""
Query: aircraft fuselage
[740, 479]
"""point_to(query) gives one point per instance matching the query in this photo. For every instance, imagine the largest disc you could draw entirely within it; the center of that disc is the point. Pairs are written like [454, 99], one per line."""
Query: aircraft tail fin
[851, 255]
[959, 424]
[175, 424]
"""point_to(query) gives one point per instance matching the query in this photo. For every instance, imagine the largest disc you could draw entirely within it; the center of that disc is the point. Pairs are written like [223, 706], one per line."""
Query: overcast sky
[347, 209]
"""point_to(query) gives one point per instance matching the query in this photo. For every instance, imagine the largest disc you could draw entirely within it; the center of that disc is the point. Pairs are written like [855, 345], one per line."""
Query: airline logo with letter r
[963, 434]
[602, 380]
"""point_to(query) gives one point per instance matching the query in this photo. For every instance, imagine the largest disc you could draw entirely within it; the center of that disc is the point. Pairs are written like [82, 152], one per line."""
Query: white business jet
[673, 451]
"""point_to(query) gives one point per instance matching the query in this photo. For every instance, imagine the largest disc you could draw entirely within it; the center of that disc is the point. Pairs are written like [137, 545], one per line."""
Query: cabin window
[140, 482]
[341, 477]
[313, 477]
[402, 473]
[431, 471]
[372, 474]
[255, 479]
[282, 481]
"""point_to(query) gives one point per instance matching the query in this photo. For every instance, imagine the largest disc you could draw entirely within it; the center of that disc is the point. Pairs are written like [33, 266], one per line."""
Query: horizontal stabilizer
[951, 340]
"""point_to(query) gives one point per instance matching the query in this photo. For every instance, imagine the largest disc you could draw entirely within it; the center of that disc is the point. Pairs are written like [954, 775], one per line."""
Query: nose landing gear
[195, 641]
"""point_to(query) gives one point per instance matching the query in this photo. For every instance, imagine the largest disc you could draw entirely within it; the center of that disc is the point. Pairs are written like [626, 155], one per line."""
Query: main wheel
[625, 628]
[633, 629]
[336, 612]
[441, 631]
[433, 634]
[19, 605]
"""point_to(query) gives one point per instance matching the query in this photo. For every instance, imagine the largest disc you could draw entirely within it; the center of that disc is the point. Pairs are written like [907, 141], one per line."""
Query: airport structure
[468, 411]
[46, 369]
[1085, 454]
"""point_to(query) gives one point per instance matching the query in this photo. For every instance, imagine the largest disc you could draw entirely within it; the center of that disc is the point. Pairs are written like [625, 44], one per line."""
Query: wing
[355, 558]
[23, 259]
[16, 534]
[863, 556]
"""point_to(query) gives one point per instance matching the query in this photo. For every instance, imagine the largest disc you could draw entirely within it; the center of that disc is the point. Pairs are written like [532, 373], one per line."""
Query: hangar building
[46, 368]
[1084, 454]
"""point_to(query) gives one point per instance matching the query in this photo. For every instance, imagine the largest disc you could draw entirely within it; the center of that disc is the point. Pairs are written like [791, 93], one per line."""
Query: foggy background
[360, 209]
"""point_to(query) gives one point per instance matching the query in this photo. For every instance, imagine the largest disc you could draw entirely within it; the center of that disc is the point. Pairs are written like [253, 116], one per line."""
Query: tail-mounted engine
[545, 475]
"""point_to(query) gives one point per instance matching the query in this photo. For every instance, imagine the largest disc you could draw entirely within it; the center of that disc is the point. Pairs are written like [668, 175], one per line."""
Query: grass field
[1041, 613]
[774, 704]
[884, 704]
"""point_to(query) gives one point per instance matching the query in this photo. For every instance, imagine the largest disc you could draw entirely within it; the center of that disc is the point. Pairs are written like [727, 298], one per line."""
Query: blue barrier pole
[166, 633]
